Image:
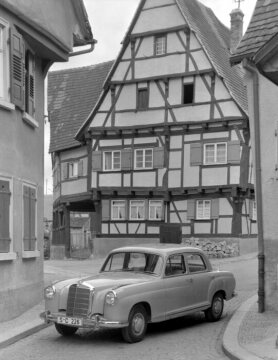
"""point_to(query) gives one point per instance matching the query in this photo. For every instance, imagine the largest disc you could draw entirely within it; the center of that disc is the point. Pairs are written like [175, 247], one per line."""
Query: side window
[143, 159]
[137, 210]
[175, 265]
[118, 209]
[112, 160]
[215, 153]
[160, 45]
[195, 263]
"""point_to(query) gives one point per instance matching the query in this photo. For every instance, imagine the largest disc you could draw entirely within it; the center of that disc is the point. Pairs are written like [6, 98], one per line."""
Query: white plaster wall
[201, 228]
[109, 180]
[216, 135]
[201, 92]
[146, 47]
[148, 140]
[132, 228]
[225, 207]
[153, 3]
[192, 113]
[175, 160]
[224, 225]
[127, 98]
[174, 178]
[142, 179]
[153, 230]
[110, 142]
[234, 174]
[74, 187]
[175, 91]
[175, 219]
[214, 176]
[94, 179]
[229, 108]
[201, 60]
[127, 180]
[161, 174]
[193, 137]
[194, 43]
[176, 142]
[140, 117]
[191, 173]
[98, 120]
[186, 230]
[118, 227]
[159, 18]
[104, 228]
[156, 99]
[221, 91]
[106, 104]
[121, 71]
[173, 42]
[180, 205]
[158, 66]
[127, 53]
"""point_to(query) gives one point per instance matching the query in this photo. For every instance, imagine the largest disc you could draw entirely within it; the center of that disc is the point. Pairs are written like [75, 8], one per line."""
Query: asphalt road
[187, 338]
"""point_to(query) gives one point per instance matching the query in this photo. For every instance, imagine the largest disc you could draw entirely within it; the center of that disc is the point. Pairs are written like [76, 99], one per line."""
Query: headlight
[49, 292]
[111, 298]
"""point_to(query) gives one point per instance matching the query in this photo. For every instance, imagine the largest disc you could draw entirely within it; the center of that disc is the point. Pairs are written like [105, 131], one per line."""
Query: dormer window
[160, 45]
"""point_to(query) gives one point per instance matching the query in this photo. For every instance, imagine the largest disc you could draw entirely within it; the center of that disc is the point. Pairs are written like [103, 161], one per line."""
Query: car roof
[162, 249]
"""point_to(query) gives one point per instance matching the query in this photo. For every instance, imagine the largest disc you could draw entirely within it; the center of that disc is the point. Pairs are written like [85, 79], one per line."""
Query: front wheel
[214, 313]
[65, 330]
[137, 327]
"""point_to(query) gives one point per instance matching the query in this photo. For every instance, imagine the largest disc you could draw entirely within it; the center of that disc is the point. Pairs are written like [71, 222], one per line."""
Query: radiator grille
[78, 301]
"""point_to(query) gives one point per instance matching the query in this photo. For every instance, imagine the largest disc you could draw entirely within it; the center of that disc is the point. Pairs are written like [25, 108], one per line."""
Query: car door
[178, 286]
[201, 278]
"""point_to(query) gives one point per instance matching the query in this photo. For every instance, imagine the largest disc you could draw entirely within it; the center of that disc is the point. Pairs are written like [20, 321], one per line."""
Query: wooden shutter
[158, 157]
[143, 98]
[4, 210]
[80, 168]
[97, 161]
[191, 204]
[65, 170]
[233, 156]
[30, 84]
[26, 218]
[105, 210]
[17, 51]
[32, 209]
[126, 159]
[214, 208]
[196, 154]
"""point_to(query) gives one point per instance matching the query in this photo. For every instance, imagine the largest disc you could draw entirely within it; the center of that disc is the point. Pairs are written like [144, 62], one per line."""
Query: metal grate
[78, 301]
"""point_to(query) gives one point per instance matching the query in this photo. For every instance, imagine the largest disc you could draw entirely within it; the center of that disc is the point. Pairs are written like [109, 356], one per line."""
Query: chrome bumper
[95, 321]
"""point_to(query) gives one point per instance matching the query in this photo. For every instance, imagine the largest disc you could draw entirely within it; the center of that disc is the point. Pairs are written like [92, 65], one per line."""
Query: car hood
[114, 280]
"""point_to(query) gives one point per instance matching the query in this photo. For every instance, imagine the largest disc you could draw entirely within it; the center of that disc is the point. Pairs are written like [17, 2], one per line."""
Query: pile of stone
[215, 248]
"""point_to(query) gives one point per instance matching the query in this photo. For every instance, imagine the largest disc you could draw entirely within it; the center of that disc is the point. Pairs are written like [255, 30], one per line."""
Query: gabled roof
[215, 38]
[72, 94]
[262, 27]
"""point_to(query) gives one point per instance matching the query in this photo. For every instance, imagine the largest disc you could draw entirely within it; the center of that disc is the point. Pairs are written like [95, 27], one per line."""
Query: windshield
[134, 262]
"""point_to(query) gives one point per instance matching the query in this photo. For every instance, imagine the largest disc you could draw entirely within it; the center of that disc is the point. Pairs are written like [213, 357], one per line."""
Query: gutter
[86, 51]
[261, 256]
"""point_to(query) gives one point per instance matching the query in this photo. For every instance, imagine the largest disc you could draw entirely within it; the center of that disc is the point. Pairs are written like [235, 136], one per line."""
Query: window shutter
[30, 79]
[4, 210]
[215, 208]
[251, 209]
[65, 170]
[191, 209]
[233, 156]
[158, 157]
[80, 168]
[105, 210]
[32, 225]
[196, 157]
[126, 159]
[17, 69]
[97, 161]
[26, 216]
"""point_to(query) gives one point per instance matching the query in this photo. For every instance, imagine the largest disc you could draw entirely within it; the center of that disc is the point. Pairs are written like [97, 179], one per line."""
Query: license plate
[71, 321]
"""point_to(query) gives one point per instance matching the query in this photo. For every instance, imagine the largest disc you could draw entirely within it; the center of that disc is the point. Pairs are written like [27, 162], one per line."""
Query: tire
[65, 330]
[138, 322]
[214, 313]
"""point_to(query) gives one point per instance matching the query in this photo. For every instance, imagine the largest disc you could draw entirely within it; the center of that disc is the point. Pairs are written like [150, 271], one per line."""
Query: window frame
[215, 156]
[144, 167]
[137, 212]
[112, 152]
[113, 206]
[203, 216]
[72, 169]
[160, 48]
[161, 206]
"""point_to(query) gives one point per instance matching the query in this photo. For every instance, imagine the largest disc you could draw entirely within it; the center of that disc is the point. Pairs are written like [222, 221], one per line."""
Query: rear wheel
[138, 321]
[214, 313]
[65, 330]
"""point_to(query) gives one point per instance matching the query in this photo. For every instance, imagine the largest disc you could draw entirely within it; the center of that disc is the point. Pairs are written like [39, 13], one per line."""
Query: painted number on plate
[69, 321]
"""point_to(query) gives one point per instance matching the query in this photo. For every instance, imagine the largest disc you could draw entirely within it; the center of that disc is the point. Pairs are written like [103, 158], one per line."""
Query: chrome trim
[95, 322]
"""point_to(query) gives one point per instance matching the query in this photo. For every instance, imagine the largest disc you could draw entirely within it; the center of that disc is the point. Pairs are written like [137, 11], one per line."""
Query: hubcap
[138, 323]
[217, 306]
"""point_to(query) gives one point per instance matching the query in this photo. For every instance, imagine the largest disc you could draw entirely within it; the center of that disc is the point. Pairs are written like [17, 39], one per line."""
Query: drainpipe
[86, 51]
[261, 256]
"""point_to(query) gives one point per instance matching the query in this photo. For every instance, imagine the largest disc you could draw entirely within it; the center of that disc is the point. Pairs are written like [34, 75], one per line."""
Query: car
[138, 285]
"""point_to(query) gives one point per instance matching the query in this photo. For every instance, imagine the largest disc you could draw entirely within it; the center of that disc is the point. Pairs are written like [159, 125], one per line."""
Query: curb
[8, 339]
[230, 344]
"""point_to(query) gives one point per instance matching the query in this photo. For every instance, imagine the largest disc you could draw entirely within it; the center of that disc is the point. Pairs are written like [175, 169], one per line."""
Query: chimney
[236, 28]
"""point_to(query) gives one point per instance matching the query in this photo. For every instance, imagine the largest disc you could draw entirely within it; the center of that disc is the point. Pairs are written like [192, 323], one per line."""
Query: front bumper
[95, 321]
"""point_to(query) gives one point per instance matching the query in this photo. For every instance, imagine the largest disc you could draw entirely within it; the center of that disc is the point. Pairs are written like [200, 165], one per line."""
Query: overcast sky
[109, 21]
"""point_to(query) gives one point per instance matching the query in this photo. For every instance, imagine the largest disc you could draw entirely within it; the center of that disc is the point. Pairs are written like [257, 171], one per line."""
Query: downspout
[86, 51]
[261, 256]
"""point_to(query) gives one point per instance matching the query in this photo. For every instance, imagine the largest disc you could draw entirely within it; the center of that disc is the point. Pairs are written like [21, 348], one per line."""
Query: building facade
[29, 44]
[167, 142]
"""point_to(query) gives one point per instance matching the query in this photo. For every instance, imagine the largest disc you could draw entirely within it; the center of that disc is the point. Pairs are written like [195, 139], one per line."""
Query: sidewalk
[248, 336]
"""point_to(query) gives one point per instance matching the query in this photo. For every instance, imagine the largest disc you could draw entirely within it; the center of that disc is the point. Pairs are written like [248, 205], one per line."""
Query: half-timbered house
[168, 139]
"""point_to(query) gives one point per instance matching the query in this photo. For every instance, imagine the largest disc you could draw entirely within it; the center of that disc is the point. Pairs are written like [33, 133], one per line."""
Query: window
[73, 169]
[188, 93]
[142, 98]
[143, 158]
[112, 160]
[175, 265]
[215, 153]
[29, 218]
[4, 61]
[203, 209]
[29, 83]
[155, 210]
[5, 203]
[160, 45]
[118, 210]
[137, 209]
[195, 263]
